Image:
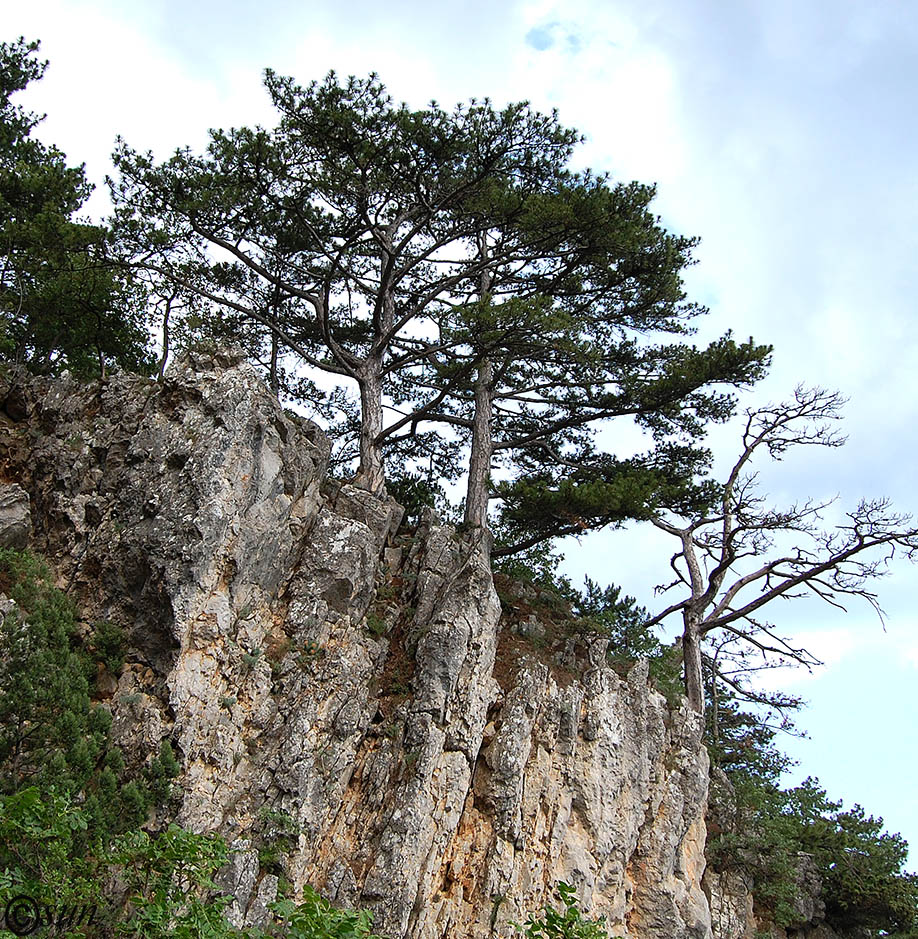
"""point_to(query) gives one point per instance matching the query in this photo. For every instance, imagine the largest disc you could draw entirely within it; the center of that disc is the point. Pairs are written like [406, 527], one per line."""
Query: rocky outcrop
[350, 707]
[15, 517]
[729, 887]
[733, 913]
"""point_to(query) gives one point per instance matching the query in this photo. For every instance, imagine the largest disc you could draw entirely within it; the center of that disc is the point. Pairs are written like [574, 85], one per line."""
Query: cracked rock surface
[348, 703]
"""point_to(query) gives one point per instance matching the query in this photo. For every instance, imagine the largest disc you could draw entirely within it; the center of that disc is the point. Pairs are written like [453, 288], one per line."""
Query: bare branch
[831, 564]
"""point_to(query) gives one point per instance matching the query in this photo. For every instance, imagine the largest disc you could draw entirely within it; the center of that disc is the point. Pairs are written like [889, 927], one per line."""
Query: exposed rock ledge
[321, 678]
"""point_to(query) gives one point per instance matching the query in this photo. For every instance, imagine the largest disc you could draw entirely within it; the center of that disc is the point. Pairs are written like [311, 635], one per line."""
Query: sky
[781, 132]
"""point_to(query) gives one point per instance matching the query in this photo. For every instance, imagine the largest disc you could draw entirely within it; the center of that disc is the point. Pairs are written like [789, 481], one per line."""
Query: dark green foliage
[864, 886]
[536, 565]
[335, 223]
[51, 735]
[415, 492]
[162, 770]
[68, 814]
[107, 645]
[151, 886]
[620, 618]
[600, 490]
[565, 923]
[741, 741]
[65, 302]
[625, 623]
[861, 865]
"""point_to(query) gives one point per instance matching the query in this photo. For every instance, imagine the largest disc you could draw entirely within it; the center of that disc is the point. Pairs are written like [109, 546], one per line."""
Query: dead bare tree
[730, 561]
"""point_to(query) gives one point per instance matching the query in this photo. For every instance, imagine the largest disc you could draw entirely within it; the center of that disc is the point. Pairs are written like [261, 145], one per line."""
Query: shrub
[864, 885]
[51, 735]
[315, 918]
[107, 645]
[565, 923]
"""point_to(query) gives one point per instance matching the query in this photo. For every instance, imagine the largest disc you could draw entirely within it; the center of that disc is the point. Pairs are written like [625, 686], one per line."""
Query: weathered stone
[730, 900]
[429, 764]
[730, 895]
[15, 516]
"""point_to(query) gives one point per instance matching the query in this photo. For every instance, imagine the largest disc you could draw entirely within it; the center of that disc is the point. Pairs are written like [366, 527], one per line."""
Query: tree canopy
[65, 301]
[454, 268]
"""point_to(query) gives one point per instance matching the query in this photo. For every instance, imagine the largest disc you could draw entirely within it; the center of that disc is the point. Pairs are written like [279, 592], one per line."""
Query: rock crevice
[346, 694]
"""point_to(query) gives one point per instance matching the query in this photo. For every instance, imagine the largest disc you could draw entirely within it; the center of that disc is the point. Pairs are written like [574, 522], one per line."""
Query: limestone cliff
[350, 705]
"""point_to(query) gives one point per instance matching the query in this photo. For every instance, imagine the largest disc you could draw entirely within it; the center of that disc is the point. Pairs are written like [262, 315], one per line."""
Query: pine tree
[421, 255]
[65, 302]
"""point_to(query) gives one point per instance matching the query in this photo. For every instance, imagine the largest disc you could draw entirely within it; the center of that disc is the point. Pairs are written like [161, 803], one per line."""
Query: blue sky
[782, 135]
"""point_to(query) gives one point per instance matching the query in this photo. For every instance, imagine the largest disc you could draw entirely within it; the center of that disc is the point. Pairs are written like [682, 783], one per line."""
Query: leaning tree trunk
[476, 501]
[691, 663]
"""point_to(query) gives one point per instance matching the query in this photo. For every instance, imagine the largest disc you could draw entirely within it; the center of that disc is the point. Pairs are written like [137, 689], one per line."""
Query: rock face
[350, 707]
[15, 517]
[729, 891]
[733, 914]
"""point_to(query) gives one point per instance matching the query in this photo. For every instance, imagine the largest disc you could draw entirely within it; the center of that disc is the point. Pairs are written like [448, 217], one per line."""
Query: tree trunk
[370, 474]
[691, 664]
[273, 382]
[274, 315]
[476, 500]
[715, 708]
[478, 490]
[165, 356]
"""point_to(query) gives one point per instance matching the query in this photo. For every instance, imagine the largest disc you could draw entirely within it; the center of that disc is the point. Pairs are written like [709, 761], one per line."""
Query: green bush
[864, 885]
[565, 923]
[315, 918]
[163, 769]
[107, 645]
[171, 888]
[45, 852]
[51, 734]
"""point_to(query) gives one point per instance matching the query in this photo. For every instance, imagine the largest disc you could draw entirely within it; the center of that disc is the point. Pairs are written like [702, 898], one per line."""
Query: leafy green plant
[69, 811]
[315, 918]
[170, 881]
[51, 734]
[568, 922]
[47, 851]
[107, 644]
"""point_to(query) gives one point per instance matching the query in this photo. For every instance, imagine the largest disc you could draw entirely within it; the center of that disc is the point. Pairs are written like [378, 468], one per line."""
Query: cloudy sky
[781, 131]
